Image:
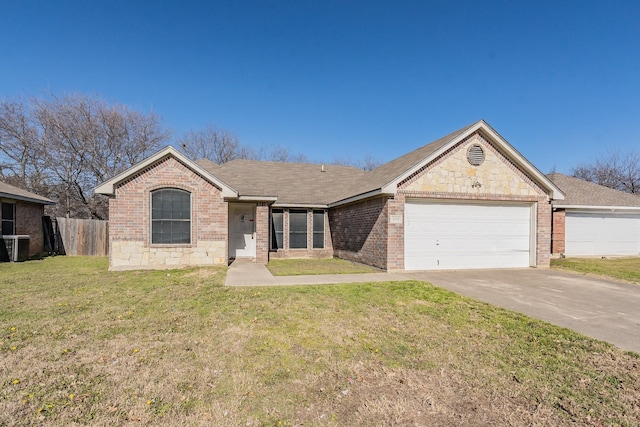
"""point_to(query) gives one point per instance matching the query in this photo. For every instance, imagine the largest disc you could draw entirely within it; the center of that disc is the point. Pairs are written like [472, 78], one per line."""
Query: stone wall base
[128, 255]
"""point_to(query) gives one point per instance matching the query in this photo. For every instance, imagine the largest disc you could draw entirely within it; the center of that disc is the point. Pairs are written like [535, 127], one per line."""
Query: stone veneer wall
[29, 221]
[129, 220]
[359, 232]
[451, 173]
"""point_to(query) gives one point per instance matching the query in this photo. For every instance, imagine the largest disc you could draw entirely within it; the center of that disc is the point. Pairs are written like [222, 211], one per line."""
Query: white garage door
[462, 236]
[600, 234]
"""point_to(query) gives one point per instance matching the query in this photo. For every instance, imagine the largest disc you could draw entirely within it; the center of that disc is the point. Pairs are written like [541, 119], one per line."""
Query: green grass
[627, 269]
[81, 345]
[299, 267]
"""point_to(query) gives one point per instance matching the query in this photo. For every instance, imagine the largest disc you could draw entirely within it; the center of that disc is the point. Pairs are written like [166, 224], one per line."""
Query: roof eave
[554, 191]
[301, 205]
[597, 207]
[108, 187]
[257, 198]
[27, 199]
[358, 197]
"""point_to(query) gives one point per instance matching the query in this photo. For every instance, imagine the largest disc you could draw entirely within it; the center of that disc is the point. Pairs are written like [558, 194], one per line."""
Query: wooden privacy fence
[84, 236]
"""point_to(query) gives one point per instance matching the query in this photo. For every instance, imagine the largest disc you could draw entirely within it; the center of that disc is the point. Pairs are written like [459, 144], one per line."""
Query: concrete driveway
[599, 308]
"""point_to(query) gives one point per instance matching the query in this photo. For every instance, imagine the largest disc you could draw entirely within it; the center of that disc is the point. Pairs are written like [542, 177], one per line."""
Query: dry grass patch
[304, 266]
[627, 269]
[81, 345]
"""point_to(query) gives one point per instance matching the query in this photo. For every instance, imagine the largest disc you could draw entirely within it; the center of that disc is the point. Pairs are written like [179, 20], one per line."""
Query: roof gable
[108, 187]
[385, 179]
[10, 192]
[581, 193]
[452, 173]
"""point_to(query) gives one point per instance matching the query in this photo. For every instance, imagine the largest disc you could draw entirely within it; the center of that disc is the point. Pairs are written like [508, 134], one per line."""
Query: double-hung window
[8, 219]
[170, 216]
[297, 229]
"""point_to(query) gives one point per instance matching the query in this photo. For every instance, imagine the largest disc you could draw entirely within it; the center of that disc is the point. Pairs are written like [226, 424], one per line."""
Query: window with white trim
[170, 216]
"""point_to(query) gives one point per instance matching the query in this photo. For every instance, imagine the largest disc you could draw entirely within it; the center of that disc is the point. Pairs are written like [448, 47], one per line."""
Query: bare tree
[615, 169]
[221, 146]
[278, 153]
[370, 163]
[20, 139]
[217, 145]
[63, 147]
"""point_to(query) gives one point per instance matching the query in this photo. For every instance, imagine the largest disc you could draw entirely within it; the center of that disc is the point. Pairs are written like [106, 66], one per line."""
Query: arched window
[170, 216]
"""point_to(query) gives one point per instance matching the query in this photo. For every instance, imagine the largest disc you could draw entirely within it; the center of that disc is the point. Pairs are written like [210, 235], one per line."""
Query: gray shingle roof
[579, 192]
[291, 183]
[303, 183]
[388, 172]
[11, 192]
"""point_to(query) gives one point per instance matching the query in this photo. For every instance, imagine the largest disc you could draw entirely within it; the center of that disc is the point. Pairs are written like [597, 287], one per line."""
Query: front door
[242, 230]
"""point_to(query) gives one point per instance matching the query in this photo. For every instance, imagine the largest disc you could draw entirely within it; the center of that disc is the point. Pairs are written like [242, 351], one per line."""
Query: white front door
[604, 233]
[242, 227]
[441, 236]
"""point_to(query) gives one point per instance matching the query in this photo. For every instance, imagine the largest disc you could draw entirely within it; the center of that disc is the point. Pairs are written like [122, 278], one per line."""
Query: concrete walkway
[248, 273]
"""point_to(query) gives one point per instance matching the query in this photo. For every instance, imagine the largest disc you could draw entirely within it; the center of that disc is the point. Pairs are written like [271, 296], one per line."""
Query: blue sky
[560, 80]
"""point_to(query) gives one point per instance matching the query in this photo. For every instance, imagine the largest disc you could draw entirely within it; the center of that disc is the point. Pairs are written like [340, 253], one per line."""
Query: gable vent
[475, 155]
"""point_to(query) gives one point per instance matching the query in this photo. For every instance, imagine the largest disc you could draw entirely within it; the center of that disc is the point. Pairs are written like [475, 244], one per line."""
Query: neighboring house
[467, 200]
[21, 214]
[594, 220]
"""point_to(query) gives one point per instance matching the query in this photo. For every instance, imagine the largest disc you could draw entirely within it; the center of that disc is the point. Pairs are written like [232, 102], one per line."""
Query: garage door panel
[602, 234]
[456, 236]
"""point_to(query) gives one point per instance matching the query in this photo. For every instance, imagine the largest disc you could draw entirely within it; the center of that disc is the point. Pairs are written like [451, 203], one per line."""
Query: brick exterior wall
[543, 228]
[29, 221]
[359, 231]
[310, 251]
[130, 218]
[262, 233]
[558, 232]
[395, 243]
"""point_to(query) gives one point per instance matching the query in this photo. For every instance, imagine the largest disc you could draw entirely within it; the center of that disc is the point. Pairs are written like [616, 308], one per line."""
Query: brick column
[395, 232]
[558, 231]
[543, 242]
[262, 233]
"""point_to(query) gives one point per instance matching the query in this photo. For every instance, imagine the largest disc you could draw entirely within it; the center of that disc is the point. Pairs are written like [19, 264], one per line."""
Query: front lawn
[627, 269]
[81, 345]
[304, 266]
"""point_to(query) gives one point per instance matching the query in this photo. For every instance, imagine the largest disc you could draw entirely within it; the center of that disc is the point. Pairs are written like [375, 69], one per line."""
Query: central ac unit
[14, 248]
